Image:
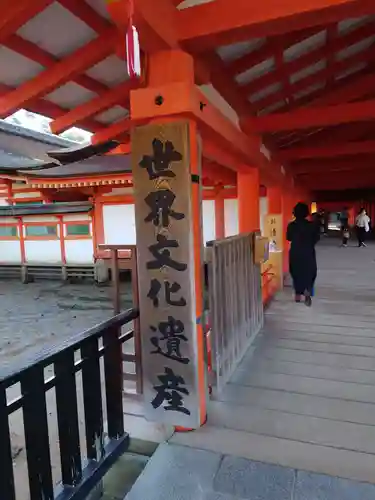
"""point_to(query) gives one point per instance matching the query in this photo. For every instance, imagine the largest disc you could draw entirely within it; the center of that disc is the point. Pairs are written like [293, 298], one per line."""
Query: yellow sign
[274, 230]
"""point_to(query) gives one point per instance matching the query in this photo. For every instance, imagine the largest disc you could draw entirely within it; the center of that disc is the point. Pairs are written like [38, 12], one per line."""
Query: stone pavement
[180, 473]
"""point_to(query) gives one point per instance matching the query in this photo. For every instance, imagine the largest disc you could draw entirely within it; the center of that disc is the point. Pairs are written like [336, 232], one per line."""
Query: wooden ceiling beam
[87, 14]
[16, 14]
[314, 117]
[218, 174]
[217, 23]
[35, 53]
[52, 110]
[332, 151]
[119, 95]
[118, 130]
[312, 167]
[312, 57]
[322, 76]
[267, 50]
[322, 137]
[60, 73]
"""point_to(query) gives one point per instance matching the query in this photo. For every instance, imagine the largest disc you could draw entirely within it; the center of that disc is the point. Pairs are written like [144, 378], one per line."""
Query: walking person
[344, 227]
[303, 235]
[362, 224]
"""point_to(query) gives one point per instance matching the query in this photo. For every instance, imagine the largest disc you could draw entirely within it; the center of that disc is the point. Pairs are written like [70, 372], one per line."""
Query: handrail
[105, 442]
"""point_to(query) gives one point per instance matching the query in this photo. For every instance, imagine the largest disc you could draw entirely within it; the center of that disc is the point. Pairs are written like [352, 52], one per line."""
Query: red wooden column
[275, 200]
[248, 201]
[219, 216]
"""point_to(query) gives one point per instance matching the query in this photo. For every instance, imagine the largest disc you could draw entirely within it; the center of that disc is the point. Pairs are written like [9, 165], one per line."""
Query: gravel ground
[37, 316]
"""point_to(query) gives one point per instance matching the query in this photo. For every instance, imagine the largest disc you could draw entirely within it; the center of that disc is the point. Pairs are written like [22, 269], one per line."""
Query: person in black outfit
[344, 226]
[303, 235]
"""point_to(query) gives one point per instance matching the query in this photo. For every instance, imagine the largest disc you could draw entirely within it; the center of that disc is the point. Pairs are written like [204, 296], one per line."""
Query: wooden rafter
[35, 53]
[86, 14]
[60, 73]
[324, 76]
[315, 117]
[118, 130]
[312, 57]
[16, 14]
[52, 110]
[117, 95]
[267, 50]
[332, 151]
[217, 23]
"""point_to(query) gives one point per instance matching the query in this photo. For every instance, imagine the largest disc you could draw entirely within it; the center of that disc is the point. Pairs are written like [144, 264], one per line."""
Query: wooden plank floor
[304, 395]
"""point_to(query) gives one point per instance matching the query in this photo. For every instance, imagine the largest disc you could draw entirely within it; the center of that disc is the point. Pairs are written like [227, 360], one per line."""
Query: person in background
[362, 224]
[303, 235]
[322, 221]
[344, 227]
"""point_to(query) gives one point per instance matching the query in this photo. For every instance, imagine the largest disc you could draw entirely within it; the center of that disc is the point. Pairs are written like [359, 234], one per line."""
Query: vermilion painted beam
[267, 50]
[16, 14]
[86, 14]
[226, 86]
[117, 95]
[35, 53]
[341, 149]
[52, 110]
[155, 21]
[324, 75]
[324, 137]
[313, 168]
[213, 152]
[212, 24]
[312, 57]
[115, 131]
[356, 88]
[219, 174]
[60, 73]
[315, 117]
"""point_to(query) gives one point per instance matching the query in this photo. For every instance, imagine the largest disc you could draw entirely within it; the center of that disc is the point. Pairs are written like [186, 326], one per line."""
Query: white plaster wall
[263, 211]
[231, 217]
[39, 218]
[79, 251]
[119, 224]
[35, 194]
[10, 252]
[43, 251]
[208, 216]
[74, 217]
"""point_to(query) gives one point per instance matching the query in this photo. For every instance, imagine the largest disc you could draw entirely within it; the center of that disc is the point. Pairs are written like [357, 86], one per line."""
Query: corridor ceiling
[299, 73]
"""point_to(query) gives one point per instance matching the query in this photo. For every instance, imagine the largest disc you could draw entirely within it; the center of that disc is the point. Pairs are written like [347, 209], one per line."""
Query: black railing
[93, 359]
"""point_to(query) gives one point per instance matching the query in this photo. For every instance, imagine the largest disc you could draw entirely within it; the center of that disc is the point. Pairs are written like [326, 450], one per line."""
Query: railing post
[6, 472]
[67, 419]
[113, 383]
[92, 399]
[36, 434]
[115, 281]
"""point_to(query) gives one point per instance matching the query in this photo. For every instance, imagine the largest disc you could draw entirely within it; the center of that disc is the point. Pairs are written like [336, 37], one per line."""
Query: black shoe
[308, 301]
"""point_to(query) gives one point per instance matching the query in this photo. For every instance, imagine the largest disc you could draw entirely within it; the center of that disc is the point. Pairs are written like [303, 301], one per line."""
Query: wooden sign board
[165, 248]
[273, 229]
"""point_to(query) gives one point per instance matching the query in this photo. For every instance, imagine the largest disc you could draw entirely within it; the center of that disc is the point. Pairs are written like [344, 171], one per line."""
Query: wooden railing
[94, 358]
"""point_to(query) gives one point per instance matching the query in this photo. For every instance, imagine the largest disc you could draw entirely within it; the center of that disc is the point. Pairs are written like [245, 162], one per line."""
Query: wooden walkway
[304, 395]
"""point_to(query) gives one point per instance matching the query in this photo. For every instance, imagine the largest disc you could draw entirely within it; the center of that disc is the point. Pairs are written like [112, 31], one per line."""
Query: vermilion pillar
[275, 200]
[248, 201]
[219, 216]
